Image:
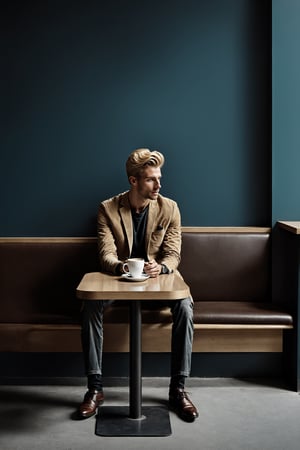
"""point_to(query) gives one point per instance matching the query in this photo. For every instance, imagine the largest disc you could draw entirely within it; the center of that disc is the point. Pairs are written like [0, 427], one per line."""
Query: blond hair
[141, 158]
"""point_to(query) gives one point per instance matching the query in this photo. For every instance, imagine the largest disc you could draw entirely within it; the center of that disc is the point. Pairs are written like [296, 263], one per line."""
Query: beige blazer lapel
[125, 213]
[151, 223]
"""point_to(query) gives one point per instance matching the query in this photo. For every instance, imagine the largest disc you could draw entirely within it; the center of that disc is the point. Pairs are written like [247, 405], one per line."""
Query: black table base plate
[115, 421]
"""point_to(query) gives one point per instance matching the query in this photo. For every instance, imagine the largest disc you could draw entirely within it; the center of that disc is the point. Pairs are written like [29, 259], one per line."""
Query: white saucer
[128, 277]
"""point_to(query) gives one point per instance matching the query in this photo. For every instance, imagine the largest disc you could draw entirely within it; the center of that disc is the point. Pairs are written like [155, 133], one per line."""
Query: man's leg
[181, 357]
[92, 345]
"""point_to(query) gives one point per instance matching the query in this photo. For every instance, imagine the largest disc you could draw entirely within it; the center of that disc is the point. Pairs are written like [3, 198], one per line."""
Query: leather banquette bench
[228, 271]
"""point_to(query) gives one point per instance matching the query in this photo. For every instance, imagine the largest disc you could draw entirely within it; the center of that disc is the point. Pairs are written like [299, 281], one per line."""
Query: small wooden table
[135, 421]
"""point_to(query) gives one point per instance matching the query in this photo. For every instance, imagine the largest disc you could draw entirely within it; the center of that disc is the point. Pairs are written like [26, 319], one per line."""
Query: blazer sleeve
[107, 249]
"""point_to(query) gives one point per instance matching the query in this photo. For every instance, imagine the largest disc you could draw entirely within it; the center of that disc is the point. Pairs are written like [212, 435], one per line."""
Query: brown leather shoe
[182, 405]
[91, 401]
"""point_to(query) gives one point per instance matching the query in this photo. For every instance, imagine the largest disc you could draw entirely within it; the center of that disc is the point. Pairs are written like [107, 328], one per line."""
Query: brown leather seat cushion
[208, 313]
[256, 313]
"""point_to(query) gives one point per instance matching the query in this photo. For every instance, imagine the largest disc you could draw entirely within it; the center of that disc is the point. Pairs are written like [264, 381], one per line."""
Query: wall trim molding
[91, 239]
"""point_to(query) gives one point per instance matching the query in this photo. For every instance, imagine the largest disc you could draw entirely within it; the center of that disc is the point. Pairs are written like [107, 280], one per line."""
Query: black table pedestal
[134, 420]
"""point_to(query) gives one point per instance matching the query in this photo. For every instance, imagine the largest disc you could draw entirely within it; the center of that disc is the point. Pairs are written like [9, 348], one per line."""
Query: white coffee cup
[134, 267]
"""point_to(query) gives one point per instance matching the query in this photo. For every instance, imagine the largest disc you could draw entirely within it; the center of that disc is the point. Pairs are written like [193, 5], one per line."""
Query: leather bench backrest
[38, 280]
[227, 266]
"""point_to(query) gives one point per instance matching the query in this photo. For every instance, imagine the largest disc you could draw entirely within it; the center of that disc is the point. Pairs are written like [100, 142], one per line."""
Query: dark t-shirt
[139, 221]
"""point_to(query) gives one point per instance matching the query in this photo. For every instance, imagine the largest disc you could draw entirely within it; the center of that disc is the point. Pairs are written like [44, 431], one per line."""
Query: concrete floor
[234, 415]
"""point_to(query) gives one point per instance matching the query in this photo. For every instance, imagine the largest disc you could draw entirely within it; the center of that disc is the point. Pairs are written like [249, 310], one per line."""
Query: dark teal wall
[86, 82]
[286, 110]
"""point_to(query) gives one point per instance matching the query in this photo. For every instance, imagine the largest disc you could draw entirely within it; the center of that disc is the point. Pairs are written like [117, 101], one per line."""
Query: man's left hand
[152, 268]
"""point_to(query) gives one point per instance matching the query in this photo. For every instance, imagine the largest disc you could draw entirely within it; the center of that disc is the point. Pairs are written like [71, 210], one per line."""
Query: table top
[101, 286]
[293, 227]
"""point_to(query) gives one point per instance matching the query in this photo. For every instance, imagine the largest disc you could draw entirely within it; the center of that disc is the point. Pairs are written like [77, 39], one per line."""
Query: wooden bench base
[155, 338]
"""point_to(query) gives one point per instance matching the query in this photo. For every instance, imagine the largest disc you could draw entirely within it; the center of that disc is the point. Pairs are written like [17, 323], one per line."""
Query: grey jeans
[181, 344]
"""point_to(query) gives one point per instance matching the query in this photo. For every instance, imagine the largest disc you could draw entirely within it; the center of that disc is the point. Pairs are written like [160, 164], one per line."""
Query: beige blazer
[115, 232]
